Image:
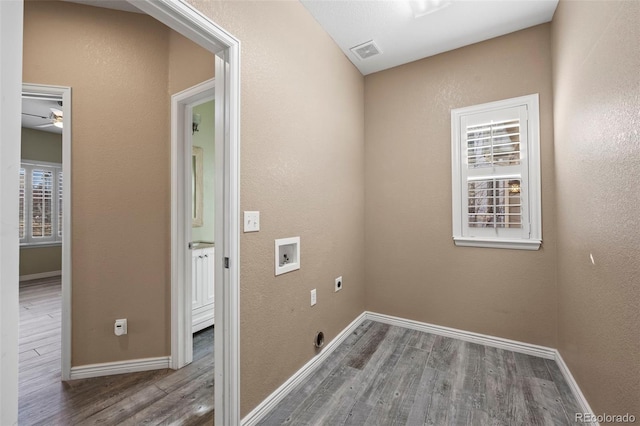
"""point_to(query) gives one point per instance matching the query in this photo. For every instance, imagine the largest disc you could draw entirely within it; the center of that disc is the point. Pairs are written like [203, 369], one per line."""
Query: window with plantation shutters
[495, 174]
[21, 202]
[40, 205]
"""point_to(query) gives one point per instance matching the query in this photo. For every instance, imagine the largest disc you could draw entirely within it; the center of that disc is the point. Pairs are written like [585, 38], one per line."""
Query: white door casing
[64, 94]
[181, 223]
[189, 22]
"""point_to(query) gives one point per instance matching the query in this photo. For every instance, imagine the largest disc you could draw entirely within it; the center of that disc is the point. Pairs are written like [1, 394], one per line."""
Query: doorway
[45, 216]
[193, 212]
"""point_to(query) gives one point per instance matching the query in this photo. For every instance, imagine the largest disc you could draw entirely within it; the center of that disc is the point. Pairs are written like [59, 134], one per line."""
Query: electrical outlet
[313, 297]
[338, 284]
[120, 327]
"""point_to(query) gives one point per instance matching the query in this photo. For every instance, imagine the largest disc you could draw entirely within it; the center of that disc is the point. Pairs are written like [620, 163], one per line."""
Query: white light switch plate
[251, 221]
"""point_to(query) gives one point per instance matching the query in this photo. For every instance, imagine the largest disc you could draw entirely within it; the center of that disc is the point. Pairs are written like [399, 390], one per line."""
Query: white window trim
[532, 158]
[55, 240]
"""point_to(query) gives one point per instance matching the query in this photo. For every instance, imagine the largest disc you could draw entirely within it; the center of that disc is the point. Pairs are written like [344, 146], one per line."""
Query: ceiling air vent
[366, 50]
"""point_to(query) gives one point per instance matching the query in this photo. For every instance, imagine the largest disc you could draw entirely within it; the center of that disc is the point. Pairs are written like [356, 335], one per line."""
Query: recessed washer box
[287, 255]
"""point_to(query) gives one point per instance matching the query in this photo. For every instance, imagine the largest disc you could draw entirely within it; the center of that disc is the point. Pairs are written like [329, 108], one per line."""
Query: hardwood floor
[167, 397]
[387, 375]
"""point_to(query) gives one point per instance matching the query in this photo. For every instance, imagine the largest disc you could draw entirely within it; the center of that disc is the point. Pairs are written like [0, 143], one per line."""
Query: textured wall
[118, 65]
[302, 166]
[36, 260]
[596, 81]
[189, 64]
[413, 269]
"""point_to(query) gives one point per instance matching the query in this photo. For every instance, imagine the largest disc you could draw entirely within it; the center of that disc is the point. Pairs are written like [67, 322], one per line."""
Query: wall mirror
[196, 185]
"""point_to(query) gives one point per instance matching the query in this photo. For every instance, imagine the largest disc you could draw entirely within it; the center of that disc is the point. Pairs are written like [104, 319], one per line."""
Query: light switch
[251, 221]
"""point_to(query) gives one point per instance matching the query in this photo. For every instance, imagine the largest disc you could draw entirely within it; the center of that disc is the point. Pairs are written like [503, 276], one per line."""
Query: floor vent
[366, 50]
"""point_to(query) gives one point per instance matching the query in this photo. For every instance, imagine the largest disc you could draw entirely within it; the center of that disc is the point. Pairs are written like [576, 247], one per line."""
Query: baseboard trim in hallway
[272, 400]
[40, 275]
[119, 367]
[281, 392]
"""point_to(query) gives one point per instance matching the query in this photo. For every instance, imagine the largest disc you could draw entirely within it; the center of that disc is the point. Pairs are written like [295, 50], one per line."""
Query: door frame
[186, 20]
[62, 93]
[11, 17]
[181, 297]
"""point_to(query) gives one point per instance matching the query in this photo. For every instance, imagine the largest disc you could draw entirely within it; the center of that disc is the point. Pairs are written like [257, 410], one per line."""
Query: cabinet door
[196, 278]
[208, 276]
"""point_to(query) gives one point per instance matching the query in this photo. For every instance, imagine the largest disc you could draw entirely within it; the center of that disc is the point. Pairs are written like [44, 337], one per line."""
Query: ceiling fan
[55, 118]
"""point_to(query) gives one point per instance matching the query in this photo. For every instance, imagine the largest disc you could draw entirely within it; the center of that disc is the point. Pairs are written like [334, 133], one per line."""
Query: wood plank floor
[167, 397]
[387, 375]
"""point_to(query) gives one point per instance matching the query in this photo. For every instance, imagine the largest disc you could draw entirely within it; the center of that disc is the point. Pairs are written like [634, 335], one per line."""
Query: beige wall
[413, 270]
[596, 96]
[189, 64]
[36, 260]
[302, 167]
[118, 66]
[40, 146]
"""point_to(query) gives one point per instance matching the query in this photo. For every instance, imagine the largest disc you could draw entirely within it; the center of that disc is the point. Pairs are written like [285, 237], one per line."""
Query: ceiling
[408, 30]
[401, 37]
[36, 113]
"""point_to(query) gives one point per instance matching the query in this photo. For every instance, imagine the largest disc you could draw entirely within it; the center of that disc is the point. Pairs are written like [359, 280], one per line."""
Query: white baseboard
[272, 400]
[119, 367]
[467, 336]
[40, 275]
[278, 395]
[575, 389]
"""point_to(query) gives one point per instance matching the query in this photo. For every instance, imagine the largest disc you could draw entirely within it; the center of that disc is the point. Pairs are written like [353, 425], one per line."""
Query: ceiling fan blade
[45, 125]
[34, 115]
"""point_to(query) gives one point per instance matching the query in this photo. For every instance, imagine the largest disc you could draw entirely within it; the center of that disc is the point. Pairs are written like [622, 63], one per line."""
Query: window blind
[42, 203]
[40, 214]
[22, 212]
[493, 144]
[60, 204]
[495, 171]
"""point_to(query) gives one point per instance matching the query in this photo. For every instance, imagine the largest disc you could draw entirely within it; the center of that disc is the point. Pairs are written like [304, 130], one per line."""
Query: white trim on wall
[278, 395]
[575, 389]
[181, 298]
[11, 19]
[119, 367]
[62, 93]
[467, 336]
[40, 275]
[191, 23]
[259, 413]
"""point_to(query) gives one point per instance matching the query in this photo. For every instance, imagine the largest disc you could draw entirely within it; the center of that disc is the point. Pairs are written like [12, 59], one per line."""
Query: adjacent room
[448, 184]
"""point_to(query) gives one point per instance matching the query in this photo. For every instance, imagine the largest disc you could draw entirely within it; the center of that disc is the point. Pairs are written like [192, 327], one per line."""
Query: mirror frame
[197, 155]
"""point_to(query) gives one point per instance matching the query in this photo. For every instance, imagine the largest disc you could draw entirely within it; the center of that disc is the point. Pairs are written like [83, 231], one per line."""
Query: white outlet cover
[338, 284]
[313, 297]
[251, 221]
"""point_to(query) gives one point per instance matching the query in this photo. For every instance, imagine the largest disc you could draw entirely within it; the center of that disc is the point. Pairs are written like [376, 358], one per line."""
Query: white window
[496, 174]
[40, 203]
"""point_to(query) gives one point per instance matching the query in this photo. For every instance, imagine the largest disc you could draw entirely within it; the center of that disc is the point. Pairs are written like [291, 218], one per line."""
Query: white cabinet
[202, 261]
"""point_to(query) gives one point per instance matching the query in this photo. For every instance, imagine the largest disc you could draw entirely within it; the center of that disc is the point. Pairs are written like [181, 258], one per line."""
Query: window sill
[494, 243]
[40, 245]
